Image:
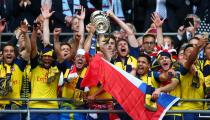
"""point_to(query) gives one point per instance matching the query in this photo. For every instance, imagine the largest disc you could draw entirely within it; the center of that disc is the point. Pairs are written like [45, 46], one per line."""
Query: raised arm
[194, 54]
[91, 30]
[46, 31]
[98, 92]
[158, 23]
[75, 44]
[131, 36]
[77, 39]
[58, 15]
[167, 88]
[2, 26]
[34, 36]
[164, 76]
[57, 46]
[81, 18]
[24, 41]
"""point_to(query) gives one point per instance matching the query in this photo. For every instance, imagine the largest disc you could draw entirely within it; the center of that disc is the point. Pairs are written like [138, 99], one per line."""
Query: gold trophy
[101, 21]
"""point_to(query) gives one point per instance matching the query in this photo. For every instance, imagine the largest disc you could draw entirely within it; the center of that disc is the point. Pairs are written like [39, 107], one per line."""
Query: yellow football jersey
[150, 80]
[16, 78]
[69, 87]
[41, 89]
[190, 92]
[130, 63]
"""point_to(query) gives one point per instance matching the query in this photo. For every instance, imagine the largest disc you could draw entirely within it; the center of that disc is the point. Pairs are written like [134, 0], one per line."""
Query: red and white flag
[128, 90]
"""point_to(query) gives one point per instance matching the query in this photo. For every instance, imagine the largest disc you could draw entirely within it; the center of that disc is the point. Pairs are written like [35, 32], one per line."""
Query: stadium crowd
[44, 66]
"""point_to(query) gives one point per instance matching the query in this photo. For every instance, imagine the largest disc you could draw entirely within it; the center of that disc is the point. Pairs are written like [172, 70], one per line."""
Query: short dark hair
[194, 38]
[121, 39]
[172, 41]
[111, 37]
[146, 56]
[65, 43]
[187, 46]
[8, 44]
[148, 35]
[12, 45]
[206, 46]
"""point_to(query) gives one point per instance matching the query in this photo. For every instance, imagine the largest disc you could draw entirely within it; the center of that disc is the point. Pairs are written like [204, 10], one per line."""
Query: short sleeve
[35, 62]
[64, 65]
[21, 63]
[134, 63]
[134, 51]
[156, 76]
[183, 70]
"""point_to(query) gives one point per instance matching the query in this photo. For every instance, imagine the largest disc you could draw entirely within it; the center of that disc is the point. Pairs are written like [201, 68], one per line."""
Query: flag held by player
[128, 90]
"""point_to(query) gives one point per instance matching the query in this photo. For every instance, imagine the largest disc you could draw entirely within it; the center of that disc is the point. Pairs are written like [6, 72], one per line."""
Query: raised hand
[191, 28]
[193, 70]
[181, 30]
[91, 28]
[110, 13]
[24, 26]
[2, 25]
[56, 32]
[20, 32]
[202, 41]
[156, 94]
[68, 19]
[78, 36]
[45, 9]
[82, 14]
[36, 26]
[91, 97]
[171, 73]
[156, 20]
